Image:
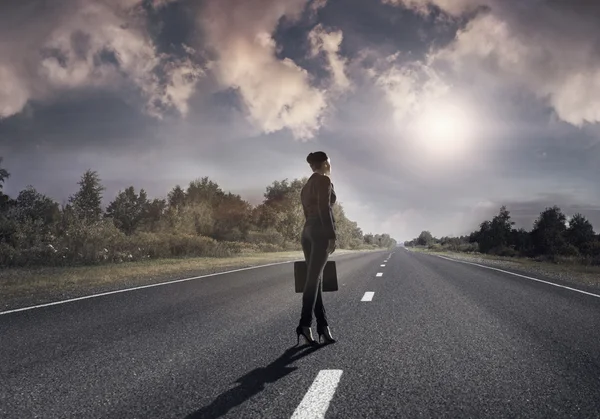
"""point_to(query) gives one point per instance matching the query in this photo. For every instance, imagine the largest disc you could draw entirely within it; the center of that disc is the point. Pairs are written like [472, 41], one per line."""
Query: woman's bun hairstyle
[316, 158]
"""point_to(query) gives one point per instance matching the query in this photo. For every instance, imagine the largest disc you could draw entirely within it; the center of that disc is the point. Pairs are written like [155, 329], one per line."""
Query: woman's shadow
[253, 383]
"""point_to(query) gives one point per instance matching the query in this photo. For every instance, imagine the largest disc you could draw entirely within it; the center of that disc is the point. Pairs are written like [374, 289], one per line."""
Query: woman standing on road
[318, 242]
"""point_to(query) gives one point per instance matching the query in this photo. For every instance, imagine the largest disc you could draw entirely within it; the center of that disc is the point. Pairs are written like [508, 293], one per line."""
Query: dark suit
[318, 197]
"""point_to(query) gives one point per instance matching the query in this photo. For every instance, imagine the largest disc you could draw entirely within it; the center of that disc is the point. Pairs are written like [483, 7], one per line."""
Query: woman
[318, 242]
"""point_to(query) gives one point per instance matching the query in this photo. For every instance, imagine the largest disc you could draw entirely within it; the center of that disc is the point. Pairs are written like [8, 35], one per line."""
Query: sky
[434, 112]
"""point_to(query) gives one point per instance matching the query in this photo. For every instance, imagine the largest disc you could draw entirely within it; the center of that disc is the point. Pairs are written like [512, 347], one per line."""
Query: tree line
[199, 220]
[553, 237]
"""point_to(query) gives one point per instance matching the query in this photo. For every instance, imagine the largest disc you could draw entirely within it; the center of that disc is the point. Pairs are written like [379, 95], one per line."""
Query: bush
[503, 251]
[468, 247]
[84, 243]
[591, 248]
[268, 236]
[268, 247]
[152, 245]
[186, 245]
[9, 256]
[569, 250]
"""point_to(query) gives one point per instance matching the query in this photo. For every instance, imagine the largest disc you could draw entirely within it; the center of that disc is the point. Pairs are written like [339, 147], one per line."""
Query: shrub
[468, 247]
[503, 251]
[569, 250]
[270, 236]
[9, 256]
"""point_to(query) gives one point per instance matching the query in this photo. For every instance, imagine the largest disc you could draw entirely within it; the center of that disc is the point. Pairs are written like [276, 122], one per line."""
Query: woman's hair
[316, 159]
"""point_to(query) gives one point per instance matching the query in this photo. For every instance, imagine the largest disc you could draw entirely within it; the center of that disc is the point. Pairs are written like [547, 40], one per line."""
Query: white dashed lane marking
[368, 296]
[379, 274]
[316, 401]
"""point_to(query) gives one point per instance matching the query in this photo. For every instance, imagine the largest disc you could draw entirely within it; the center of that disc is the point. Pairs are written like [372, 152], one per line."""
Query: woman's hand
[331, 246]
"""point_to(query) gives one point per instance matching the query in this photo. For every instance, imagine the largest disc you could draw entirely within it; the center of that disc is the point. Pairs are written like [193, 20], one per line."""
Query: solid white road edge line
[521, 276]
[142, 286]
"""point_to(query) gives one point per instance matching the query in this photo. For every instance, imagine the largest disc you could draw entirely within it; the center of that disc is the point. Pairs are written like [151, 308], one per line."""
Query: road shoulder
[28, 287]
[580, 277]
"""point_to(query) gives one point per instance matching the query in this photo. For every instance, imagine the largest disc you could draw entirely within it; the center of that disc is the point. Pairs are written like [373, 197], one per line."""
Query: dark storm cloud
[81, 121]
[83, 44]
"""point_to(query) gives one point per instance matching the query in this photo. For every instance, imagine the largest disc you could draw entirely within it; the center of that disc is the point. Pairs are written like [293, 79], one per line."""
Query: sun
[442, 129]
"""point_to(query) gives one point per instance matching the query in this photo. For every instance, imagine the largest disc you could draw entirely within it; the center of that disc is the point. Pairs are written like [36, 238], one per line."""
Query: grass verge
[569, 273]
[20, 286]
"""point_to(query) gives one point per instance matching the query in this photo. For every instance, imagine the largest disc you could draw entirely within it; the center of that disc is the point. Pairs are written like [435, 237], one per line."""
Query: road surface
[427, 337]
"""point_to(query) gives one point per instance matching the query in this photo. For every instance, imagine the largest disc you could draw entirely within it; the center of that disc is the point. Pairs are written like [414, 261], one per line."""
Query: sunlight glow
[442, 129]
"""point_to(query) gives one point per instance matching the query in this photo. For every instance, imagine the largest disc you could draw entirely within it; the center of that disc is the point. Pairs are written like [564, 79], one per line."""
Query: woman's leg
[317, 257]
[320, 314]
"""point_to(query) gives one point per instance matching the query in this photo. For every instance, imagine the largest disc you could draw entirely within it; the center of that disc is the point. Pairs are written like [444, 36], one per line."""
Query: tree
[425, 238]
[32, 206]
[176, 198]
[127, 210]
[349, 236]
[521, 240]
[231, 218]
[153, 213]
[501, 227]
[34, 216]
[548, 234]
[265, 216]
[3, 175]
[384, 240]
[86, 203]
[580, 233]
[282, 208]
[4, 199]
[495, 234]
[204, 190]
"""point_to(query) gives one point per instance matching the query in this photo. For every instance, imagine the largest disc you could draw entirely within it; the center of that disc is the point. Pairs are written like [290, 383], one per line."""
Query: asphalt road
[436, 338]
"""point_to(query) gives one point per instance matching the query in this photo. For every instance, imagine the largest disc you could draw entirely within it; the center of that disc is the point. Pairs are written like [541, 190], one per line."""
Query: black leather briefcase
[330, 282]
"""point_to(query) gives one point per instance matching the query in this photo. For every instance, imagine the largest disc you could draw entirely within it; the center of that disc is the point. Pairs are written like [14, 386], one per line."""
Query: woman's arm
[323, 198]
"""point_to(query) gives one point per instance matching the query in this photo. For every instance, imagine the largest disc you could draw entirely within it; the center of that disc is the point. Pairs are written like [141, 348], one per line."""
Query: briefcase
[330, 282]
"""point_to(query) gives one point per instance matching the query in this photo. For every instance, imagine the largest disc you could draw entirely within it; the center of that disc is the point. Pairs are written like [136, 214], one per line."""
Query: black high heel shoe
[324, 331]
[307, 333]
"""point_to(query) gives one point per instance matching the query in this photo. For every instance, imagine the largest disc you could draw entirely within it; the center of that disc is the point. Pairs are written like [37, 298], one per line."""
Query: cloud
[546, 48]
[453, 7]
[322, 41]
[108, 45]
[277, 92]
[13, 92]
[409, 87]
[102, 45]
[157, 4]
[557, 68]
[315, 5]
